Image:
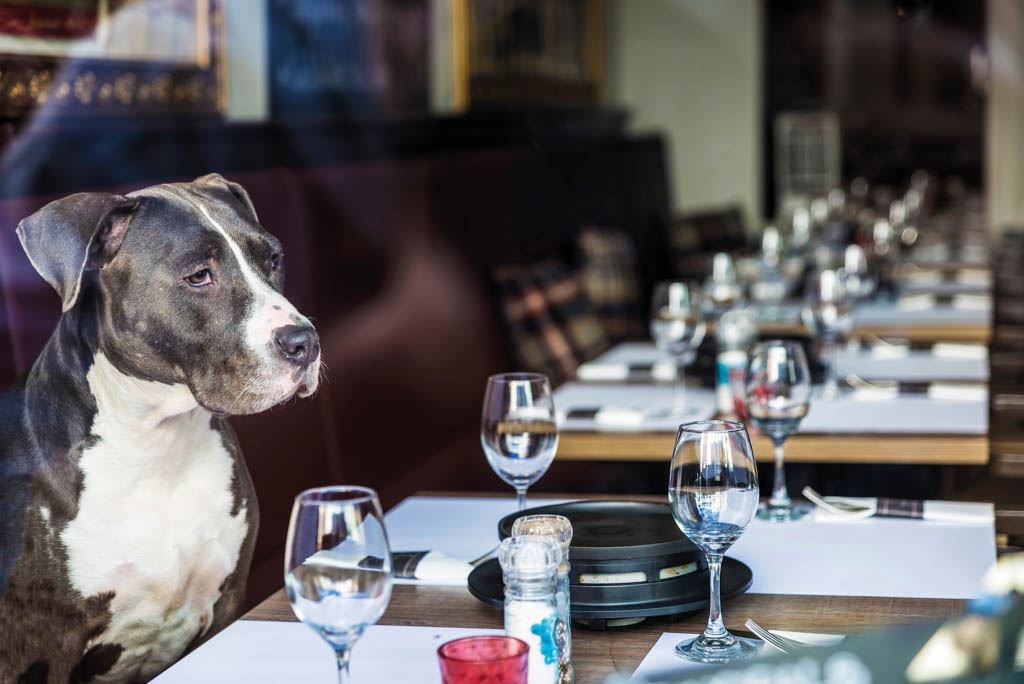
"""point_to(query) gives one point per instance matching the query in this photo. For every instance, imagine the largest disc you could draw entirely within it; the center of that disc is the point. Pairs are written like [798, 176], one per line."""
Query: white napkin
[599, 372]
[921, 302]
[949, 350]
[973, 276]
[876, 393]
[436, 568]
[619, 417]
[963, 512]
[972, 302]
[958, 391]
[890, 351]
[595, 371]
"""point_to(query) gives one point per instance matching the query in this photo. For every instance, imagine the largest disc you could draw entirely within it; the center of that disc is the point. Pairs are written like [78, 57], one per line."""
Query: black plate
[614, 530]
[684, 594]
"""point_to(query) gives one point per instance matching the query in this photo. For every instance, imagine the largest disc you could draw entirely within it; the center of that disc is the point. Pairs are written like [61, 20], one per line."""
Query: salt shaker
[559, 529]
[736, 330]
[529, 566]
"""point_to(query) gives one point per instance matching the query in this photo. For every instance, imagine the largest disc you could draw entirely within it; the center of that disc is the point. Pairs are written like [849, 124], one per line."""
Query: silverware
[779, 643]
[480, 560]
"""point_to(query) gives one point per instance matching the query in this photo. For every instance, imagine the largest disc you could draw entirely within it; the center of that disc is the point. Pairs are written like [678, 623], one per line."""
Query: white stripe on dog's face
[270, 310]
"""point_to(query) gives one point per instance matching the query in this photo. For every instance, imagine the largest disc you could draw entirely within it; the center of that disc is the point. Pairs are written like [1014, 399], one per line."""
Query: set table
[799, 585]
[861, 426]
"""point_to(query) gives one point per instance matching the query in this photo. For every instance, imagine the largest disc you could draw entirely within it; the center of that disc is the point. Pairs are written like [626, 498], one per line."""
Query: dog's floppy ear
[72, 235]
[219, 181]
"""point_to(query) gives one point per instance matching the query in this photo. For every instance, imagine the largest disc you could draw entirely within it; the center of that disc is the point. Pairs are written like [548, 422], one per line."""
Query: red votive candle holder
[484, 660]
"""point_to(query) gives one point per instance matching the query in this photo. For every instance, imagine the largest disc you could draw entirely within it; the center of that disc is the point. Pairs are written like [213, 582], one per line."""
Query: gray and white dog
[127, 515]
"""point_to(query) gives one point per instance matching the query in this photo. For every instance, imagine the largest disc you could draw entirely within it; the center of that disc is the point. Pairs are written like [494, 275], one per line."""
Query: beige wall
[1004, 145]
[691, 68]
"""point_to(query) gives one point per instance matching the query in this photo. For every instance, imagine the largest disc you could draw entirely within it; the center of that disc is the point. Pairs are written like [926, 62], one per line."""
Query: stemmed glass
[827, 314]
[337, 565]
[712, 491]
[778, 397]
[517, 429]
[678, 327]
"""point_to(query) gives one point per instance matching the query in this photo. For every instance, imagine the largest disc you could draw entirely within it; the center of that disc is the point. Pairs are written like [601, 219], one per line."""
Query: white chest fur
[154, 522]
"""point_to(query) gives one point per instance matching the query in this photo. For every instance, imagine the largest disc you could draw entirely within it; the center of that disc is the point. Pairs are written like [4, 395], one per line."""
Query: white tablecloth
[915, 366]
[648, 400]
[873, 557]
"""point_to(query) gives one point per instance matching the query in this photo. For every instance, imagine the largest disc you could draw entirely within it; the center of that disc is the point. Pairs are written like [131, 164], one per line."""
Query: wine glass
[678, 327]
[337, 565]
[712, 491]
[517, 429]
[778, 397]
[827, 314]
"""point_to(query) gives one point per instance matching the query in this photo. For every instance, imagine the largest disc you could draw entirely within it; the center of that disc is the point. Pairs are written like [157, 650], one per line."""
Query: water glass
[484, 660]
[778, 397]
[517, 429]
[712, 492]
[338, 565]
[678, 327]
[827, 314]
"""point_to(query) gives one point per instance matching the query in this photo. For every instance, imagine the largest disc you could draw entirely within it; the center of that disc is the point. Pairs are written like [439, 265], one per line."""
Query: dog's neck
[137, 405]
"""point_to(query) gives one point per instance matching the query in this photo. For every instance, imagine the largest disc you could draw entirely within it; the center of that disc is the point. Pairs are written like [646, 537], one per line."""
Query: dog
[127, 514]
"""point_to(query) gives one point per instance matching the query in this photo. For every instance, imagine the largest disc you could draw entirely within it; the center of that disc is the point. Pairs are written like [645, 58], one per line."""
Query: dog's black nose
[298, 343]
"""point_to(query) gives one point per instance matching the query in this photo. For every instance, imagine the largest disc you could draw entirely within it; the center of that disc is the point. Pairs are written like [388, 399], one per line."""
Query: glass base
[789, 513]
[724, 649]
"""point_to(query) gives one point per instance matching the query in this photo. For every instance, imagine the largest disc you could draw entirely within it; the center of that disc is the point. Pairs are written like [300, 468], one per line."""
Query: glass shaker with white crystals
[559, 529]
[529, 566]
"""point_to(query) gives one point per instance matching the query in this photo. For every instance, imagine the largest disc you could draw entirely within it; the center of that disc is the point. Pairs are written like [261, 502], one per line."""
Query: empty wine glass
[337, 567]
[857, 279]
[712, 492]
[722, 288]
[678, 327]
[517, 429]
[827, 314]
[778, 397]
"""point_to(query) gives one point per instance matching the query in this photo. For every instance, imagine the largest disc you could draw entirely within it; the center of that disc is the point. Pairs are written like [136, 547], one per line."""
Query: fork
[779, 643]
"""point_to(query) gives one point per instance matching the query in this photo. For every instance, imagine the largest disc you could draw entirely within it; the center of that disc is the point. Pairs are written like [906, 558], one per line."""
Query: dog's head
[185, 286]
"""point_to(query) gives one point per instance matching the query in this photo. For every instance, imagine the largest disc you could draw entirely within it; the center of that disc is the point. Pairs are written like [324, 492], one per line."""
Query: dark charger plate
[620, 536]
[684, 594]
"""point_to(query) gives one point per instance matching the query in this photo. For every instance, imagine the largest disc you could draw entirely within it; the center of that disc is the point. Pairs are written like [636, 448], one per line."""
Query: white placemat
[662, 664]
[873, 557]
[645, 401]
[854, 412]
[257, 652]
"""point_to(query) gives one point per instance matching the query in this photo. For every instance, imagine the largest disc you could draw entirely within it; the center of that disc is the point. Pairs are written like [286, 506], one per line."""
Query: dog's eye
[200, 278]
[275, 261]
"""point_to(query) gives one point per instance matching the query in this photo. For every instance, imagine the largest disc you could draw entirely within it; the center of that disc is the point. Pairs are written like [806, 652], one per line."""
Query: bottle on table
[529, 567]
[559, 529]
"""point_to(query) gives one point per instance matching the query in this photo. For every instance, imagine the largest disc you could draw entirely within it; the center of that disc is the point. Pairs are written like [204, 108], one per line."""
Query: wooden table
[800, 448]
[596, 654]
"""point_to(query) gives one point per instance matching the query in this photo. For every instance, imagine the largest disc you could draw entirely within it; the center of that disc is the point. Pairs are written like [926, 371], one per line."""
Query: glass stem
[780, 495]
[679, 388]
[343, 655]
[831, 388]
[716, 627]
[521, 498]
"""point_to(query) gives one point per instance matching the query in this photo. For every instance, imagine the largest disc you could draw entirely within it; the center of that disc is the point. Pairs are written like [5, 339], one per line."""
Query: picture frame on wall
[102, 57]
[526, 52]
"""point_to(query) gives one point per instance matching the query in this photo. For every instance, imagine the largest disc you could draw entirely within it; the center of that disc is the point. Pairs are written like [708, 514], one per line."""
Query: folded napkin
[840, 508]
[431, 567]
[948, 350]
[972, 302]
[890, 351]
[974, 276]
[958, 391]
[876, 393]
[596, 371]
[921, 302]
